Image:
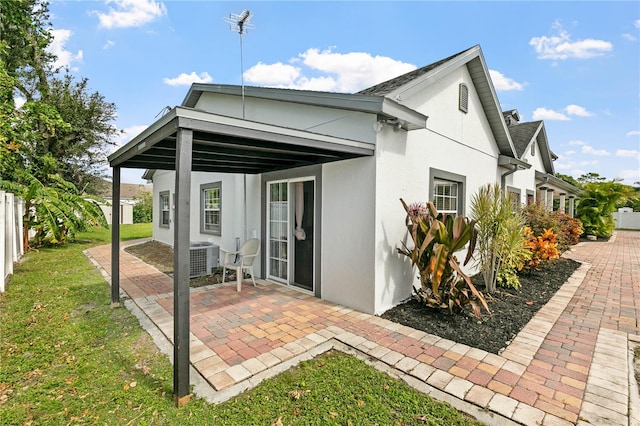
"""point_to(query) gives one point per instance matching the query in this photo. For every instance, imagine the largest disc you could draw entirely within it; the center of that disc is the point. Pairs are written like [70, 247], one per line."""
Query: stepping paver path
[569, 365]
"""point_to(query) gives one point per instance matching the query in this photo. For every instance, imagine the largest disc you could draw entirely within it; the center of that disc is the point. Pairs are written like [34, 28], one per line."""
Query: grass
[67, 357]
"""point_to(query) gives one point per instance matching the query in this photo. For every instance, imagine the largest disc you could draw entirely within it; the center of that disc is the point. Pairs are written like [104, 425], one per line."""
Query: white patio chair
[244, 260]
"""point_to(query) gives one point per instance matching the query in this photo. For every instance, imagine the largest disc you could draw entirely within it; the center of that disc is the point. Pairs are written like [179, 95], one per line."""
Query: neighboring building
[128, 194]
[318, 176]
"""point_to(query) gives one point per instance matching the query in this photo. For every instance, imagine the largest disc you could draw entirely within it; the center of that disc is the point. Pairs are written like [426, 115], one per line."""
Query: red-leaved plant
[436, 238]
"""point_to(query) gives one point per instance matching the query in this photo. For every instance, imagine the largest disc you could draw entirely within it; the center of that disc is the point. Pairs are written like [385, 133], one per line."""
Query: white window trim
[215, 230]
[162, 196]
[437, 175]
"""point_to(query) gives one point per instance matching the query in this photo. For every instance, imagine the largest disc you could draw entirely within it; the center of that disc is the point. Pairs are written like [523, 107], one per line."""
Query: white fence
[11, 248]
[627, 219]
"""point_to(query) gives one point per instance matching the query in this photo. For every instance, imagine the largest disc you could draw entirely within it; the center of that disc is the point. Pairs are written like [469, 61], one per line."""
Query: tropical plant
[56, 213]
[436, 238]
[500, 239]
[543, 247]
[597, 203]
[567, 228]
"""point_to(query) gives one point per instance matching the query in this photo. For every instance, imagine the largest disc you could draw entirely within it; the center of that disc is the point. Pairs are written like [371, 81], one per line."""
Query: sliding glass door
[291, 232]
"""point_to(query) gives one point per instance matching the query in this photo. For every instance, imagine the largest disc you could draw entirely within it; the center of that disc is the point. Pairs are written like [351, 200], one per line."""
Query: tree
[58, 135]
[143, 208]
[599, 200]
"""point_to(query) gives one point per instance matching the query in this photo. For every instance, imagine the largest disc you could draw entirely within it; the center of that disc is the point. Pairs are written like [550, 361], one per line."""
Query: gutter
[513, 164]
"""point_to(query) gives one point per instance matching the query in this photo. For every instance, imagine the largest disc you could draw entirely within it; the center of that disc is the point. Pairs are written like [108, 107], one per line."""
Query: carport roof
[232, 145]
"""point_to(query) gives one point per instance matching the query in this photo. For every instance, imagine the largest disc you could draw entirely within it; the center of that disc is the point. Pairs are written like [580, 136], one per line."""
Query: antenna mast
[240, 24]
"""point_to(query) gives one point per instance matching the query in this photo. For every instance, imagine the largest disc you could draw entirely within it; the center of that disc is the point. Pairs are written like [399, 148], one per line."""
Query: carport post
[181, 232]
[115, 239]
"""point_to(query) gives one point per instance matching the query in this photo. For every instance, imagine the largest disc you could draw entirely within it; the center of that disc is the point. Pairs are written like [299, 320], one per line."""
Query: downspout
[503, 177]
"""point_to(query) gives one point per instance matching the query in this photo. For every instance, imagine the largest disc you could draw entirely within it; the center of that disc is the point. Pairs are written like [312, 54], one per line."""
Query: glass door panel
[278, 230]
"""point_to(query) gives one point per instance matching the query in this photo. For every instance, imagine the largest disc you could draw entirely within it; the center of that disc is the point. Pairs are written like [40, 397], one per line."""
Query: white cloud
[630, 176]
[503, 83]
[328, 71]
[569, 152]
[64, 58]
[548, 114]
[19, 101]
[109, 44]
[636, 23]
[587, 149]
[128, 134]
[628, 153]
[185, 79]
[560, 46]
[633, 133]
[130, 13]
[629, 37]
[277, 74]
[576, 142]
[577, 110]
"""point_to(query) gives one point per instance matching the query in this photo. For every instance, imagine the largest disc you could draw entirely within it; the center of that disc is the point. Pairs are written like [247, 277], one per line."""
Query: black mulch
[510, 309]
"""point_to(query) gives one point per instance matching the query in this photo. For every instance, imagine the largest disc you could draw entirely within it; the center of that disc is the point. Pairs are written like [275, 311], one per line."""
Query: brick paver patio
[569, 365]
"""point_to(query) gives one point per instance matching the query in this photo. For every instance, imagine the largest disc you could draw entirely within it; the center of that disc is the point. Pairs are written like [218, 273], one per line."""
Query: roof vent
[463, 98]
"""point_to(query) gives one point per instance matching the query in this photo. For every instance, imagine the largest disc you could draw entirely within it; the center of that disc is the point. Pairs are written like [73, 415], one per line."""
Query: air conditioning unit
[203, 258]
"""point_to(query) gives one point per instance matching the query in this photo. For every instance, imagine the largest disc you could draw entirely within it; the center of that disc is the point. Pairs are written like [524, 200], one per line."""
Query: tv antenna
[240, 24]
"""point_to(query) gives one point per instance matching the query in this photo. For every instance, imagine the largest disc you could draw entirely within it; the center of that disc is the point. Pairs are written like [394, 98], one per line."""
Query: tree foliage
[57, 134]
[143, 208]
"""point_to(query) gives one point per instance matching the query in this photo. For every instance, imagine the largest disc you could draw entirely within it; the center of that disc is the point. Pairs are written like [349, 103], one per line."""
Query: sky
[573, 64]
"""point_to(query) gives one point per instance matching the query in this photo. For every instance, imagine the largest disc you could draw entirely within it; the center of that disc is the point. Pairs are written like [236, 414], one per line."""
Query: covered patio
[557, 371]
[186, 140]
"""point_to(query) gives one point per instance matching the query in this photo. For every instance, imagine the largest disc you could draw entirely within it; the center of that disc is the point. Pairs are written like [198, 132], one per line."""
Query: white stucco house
[317, 176]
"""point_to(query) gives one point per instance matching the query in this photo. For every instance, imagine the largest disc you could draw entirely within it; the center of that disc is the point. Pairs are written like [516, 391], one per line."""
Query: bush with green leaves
[55, 212]
[567, 229]
[500, 247]
[436, 238]
[143, 208]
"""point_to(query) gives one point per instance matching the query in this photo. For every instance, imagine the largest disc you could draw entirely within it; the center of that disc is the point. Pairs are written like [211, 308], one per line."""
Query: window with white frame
[211, 208]
[447, 191]
[165, 209]
[445, 196]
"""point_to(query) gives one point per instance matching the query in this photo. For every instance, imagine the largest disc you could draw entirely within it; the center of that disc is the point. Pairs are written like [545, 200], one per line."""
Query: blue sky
[576, 65]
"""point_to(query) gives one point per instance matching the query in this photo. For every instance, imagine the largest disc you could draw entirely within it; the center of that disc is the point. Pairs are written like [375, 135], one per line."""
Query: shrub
[567, 228]
[436, 237]
[501, 247]
[543, 247]
[143, 208]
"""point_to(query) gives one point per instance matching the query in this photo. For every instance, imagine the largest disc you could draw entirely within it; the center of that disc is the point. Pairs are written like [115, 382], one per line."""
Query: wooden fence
[11, 235]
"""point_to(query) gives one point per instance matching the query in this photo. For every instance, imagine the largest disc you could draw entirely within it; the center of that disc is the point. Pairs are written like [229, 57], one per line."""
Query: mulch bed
[510, 309]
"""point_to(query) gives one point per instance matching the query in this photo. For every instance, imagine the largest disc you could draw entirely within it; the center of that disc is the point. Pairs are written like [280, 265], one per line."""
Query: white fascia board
[505, 160]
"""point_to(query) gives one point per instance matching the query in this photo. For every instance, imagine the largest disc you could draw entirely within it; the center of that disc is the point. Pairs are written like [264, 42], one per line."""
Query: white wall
[232, 208]
[348, 223]
[526, 179]
[454, 142]
[328, 121]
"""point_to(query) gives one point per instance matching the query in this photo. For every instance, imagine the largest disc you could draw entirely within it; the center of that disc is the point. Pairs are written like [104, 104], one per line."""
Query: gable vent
[463, 98]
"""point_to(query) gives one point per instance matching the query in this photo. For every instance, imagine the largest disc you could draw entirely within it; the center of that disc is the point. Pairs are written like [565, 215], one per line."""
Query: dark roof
[388, 86]
[522, 134]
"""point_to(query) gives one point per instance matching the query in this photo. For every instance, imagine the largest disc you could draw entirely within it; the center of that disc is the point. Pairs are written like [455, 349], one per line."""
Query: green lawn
[67, 357]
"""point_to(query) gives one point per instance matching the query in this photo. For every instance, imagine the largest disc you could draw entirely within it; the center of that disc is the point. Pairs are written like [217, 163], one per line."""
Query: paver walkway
[569, 365]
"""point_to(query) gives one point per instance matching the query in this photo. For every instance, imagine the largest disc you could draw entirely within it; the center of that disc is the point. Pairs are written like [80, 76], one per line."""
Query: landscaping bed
[510, 309]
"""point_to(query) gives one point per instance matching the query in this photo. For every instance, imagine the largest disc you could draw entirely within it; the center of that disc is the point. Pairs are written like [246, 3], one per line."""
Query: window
[445, 196]
[447, 191]
[211, 208]
[165, 211]
[463, 98]
[514, 196]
